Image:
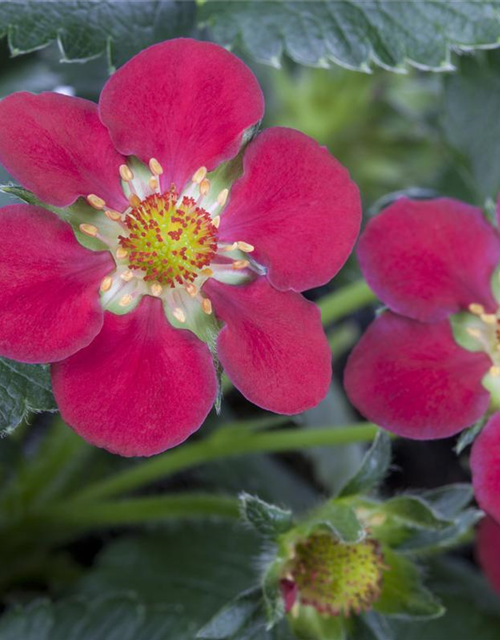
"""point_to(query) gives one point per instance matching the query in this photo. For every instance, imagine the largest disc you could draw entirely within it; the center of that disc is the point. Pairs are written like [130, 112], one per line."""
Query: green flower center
[170, 243]
[337, 578]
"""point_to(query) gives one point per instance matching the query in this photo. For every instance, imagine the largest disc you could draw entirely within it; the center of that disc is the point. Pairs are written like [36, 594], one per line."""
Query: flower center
[164, 244]
[337, 578]
[168, 241]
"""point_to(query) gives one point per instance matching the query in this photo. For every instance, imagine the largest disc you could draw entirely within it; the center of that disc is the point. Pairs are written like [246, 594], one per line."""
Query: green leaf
[355, 34]
[120, 617]
[23, 388]
[85, 30]
[234, 618]
[403, 594]
[269, 520]
[470, 121]
[373, 467]
[468, 436]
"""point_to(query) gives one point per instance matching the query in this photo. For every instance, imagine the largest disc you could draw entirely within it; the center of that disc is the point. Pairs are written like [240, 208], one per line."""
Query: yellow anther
[475, 333]
[199, 175]
[179, 314]
[206, 305]
[476, 309]
[495, 371]
[156, 289]
[127, 275]
[191, 289]
[216, 222]
[125, 173]
[126, 300]
[229, 247]
[240, 264]
[204, 186]
[155, 167]
[222, 197]
[95, 201]
[207, 272]
[113, 215]
[89, 230]
[245, 247]
[106, 283]
[134, 200]
[153, 184]
[121, 253]
[489, 318]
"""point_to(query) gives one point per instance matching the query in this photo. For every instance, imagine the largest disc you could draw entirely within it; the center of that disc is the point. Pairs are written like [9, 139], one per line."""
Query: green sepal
[403, 594]
[373, 468]
[308, 624]
[415, 512]
[468, 436]
[267, 519]
[339, 519]
[274, 605]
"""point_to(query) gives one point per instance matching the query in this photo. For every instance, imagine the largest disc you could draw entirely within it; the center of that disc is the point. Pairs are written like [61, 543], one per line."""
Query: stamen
[207, 272]
[179, 314]
[216, 222]
[134, 200]
[191, 289]
[488, 318]
[126, 300]
[222, 197]
[155, 167]
[240, 264]
[89, 230]
[229, 247]
[245, 247]
[153, 183]
[206, 305]
[127, 275]
[204, 187]
[113, 215]
[121, 253]
[125, 173]
[495, 371]
[199, 175]
[476, 309]
[95, 201]
[156, 289]
[106, 284]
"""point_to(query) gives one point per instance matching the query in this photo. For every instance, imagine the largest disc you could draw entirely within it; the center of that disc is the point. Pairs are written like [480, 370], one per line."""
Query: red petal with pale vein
[183, 102]
[272, 347]
[414, 380]
[297, 205]
[57, 147]
[49, 286]
[141, 387]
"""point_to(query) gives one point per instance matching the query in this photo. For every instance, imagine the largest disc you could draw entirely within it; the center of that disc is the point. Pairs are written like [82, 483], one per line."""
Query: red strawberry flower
[145, 259]
[488, 550]
[429, 366]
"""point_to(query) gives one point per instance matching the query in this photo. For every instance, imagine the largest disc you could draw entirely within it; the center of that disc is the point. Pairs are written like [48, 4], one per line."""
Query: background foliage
[78, 558]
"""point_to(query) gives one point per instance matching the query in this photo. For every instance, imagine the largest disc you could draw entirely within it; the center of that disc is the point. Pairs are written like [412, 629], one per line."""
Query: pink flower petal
[57, 147]
[296, 204]
[414, 380]
[488, 550]
[183, 102]
[141, 387]
[429, 259]
[49, 286]
[273, 346]
[485, 465]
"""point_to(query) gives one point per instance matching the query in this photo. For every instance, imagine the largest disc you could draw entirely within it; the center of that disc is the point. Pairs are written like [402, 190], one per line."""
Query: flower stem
[224, 443]
[140, 510]
[344, 301]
